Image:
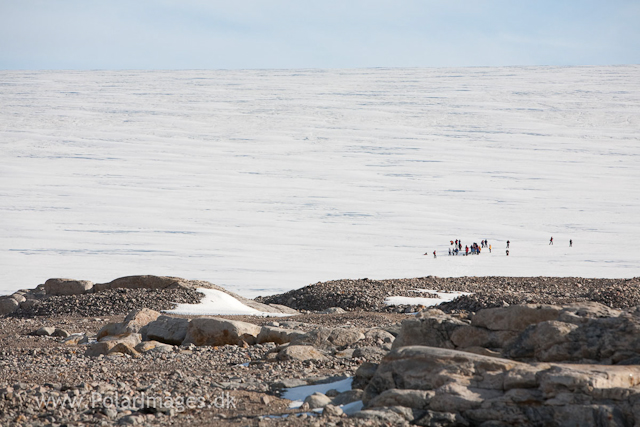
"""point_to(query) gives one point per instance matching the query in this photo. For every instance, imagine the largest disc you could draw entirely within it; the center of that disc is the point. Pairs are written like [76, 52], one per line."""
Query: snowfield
[264, 181]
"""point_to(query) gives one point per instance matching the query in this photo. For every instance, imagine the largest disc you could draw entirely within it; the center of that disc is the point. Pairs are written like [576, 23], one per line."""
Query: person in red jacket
[434, 254]
[466, 250]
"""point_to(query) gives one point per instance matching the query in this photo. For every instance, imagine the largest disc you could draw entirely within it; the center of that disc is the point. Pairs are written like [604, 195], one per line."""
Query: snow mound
[217, 303]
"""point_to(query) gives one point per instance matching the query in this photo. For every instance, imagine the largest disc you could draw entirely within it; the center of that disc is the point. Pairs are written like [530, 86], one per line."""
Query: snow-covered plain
[264, 181]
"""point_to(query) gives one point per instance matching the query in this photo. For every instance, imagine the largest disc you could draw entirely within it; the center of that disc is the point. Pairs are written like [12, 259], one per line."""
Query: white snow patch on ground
[219, 303]
[298, 394]
[427, 302]
[264, 181]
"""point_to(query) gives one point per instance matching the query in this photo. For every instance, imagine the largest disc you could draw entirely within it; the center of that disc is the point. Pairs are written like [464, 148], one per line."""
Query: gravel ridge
[110, 302]
[369, 295]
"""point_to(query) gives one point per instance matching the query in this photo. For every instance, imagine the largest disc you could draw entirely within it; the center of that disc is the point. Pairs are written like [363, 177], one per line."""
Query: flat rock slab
[67, 287]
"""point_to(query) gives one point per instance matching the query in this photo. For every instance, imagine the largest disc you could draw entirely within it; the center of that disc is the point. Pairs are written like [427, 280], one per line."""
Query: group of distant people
[475, 249]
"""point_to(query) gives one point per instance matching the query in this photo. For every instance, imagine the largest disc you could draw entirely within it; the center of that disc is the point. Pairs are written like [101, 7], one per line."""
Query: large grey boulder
[67, 287]
[166, 329]
[157, 346]
[214, 331]
[141, 282]
[133, 323]
[318, 337]
[341, 337]
[317, 400]
[514, 318]
[301, 353]
[8, 305]
[433, 331]
[19, 297]
[277, 335]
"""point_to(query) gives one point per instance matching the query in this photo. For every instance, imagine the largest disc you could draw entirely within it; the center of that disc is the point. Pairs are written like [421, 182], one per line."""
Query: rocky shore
[518, 351]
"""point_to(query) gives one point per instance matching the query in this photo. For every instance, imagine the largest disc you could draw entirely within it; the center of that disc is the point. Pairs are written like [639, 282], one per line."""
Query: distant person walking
[434, 254]
[489, 248]
[507, 252]
[508, 244]
[551, 240]
[466, 250]
[570, 243]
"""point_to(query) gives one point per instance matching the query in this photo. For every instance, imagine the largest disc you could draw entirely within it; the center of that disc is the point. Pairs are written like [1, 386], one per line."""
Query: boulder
[277, 335]
[341, 337]
[332, 411]
[45, 331]
[318, 337]
[167, 329]
[214, 331]
[141, 282]
[19, 297]
[433, 331]
[67, 287]
[75, 339]
[146, 346]
[347, 397]
[363, 375]
[8, 305]
[379, 335]
[60, 333]
[28, 304]
[119, 344]
[133, 323]
[300, 352]
[317, 400]
[515, 317]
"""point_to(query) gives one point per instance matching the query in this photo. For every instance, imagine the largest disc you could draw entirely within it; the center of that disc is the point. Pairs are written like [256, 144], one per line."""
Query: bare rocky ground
[241, 385]
[36, 369]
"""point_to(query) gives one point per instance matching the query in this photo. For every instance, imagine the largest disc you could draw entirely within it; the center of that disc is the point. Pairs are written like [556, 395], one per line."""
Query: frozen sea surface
[264, 181]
